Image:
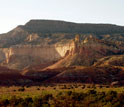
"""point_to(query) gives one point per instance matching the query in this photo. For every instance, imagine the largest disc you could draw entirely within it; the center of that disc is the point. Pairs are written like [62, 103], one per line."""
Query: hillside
[115, 60]
[52, 31]
[40, 42]
[10, 77]
[87, 52]
[53, 26]
[94, 75]
[44, 51]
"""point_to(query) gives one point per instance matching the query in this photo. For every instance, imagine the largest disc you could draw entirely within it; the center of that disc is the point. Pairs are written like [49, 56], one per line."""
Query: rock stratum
[23, 56]
[49, 51]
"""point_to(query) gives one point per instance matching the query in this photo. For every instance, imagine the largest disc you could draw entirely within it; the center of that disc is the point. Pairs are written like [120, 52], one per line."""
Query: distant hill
[40, 33]
[53, 26]
[114, 60]
[53, 31]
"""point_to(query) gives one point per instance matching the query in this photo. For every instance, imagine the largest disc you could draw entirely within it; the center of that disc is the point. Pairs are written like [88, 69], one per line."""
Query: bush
[91, 92]
[83, 86]
[37, 102]
[101, 96]
[117, 104]
[21, 89]
[93, 86]
[120, 96]
[14, 90]
[15, 101]
[54, 88]
[69, 93]
[4, 103]
[112, 93]
[38, 88]
[100, 86]
[88, 86]
[109, 98]
[59, 94]
[77, 96]
[27, 101]
[47, 97]
[107, 86]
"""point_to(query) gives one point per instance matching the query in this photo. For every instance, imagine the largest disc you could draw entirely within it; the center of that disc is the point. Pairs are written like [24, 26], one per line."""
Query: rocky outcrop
[40, 54]
[76, 52]
[86, 53]
[32, 37]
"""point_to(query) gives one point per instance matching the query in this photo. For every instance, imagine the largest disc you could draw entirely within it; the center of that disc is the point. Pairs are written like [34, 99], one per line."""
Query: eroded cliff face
[33, 55]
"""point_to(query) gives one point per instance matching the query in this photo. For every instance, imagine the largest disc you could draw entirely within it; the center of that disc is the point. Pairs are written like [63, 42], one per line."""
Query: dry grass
[8, 92]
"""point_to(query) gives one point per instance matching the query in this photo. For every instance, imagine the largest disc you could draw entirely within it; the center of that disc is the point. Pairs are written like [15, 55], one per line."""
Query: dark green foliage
[21, 89]
[38, 88]
[91, 92]
[83, 87]
[47, 97]
[37, 102]
[77, 96]
[4, 102]
[100, 86]
[14, 90]
[112, 93]
[14, 101]
[69, 93]
[101, 96]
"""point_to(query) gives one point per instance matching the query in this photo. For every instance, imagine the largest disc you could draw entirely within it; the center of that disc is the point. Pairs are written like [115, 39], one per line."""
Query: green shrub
[21, 89]
[37, 102]
[117, 104]
[77, 96]
[4, 102]
[91, 92]
[112, 93]
[101, 96]
[15, 101]
[38, 88]
[109, 98]
[14, 90]
[59, 94]
[120, 96]
[69, 93]
[100, 86]
[47, 97]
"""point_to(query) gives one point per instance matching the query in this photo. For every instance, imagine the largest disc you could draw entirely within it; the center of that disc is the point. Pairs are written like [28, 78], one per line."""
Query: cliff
[75, 52]
[48, 41]
[86, 53]
[33, 54]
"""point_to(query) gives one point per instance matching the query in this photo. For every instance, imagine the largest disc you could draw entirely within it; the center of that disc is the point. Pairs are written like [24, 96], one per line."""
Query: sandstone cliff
[47, 41]
[86, 53]
[33, 55]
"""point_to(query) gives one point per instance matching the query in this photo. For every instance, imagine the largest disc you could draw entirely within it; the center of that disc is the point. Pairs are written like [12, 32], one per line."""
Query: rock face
[47, 41]
[75, 52]
[86, 53]
[32, 37]
[40, 54]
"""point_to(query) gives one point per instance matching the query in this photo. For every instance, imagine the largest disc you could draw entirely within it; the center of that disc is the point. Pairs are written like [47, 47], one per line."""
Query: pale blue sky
[18, 12]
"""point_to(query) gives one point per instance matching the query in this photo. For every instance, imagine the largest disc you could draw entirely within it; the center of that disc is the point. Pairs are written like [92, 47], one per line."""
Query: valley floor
[62, 95]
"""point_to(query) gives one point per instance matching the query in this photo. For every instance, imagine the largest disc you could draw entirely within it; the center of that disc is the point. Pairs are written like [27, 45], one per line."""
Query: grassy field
[69, 95]
[32, 91]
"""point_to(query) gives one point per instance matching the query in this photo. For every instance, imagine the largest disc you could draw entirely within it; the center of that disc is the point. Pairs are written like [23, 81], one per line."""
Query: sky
[19, 12]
